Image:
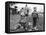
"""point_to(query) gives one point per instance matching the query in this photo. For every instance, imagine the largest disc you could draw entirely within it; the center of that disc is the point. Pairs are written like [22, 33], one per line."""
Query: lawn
[15, 18]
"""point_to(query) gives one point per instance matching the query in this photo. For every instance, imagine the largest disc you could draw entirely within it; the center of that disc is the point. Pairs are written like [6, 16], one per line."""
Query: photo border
[7, 17]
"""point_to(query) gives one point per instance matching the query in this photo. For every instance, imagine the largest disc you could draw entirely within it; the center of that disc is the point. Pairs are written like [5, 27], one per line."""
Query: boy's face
[35, 8]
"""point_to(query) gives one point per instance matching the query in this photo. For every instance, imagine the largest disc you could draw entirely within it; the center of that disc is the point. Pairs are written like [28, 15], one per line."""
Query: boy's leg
[34, 22]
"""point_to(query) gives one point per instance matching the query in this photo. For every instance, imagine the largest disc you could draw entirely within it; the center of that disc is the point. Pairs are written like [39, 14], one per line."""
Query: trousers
[34, 22]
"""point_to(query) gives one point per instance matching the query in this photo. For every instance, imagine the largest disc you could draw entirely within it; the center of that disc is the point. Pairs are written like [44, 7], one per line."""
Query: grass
[14, 19]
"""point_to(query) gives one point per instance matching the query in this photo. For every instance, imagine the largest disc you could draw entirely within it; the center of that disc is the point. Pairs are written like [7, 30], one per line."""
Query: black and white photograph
[26, 16]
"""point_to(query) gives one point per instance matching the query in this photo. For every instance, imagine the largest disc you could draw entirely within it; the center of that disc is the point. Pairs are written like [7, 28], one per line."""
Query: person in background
[35, 17]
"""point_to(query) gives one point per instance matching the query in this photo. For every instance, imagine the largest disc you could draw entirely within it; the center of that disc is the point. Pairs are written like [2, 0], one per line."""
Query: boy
[35, 17]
